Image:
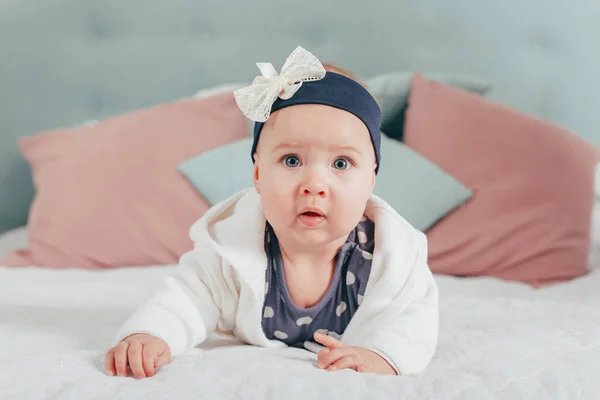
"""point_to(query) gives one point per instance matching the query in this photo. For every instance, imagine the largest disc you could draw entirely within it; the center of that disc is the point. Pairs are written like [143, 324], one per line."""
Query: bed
[498, 341]
[75, 61]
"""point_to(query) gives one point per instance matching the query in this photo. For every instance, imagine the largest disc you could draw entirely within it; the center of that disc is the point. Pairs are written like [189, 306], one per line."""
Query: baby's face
[314, 170]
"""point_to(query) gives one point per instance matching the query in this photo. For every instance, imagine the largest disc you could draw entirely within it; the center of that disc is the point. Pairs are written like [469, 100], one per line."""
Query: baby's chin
[316, 237]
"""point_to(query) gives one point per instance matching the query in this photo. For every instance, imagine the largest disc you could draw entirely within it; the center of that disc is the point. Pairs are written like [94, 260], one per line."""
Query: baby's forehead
[304, 132]
[298, 119]
[323, 141]
[316, 125]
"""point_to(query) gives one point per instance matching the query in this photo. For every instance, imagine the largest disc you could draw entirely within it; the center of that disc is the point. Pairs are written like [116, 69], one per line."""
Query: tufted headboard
[68, 61]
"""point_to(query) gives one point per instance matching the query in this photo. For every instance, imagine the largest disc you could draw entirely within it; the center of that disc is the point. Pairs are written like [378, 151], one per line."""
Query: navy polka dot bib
[283, 320]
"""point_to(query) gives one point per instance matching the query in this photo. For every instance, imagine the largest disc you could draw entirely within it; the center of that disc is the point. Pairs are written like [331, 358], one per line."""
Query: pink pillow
[533, 184]
[110, 195]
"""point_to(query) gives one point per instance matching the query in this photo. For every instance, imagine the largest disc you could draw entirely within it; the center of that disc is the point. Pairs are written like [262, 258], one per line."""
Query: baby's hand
[339, 356]
[142, 353]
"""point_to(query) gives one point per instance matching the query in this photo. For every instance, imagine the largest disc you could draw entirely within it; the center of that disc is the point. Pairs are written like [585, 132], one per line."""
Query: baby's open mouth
[312, 214]
[311, 218]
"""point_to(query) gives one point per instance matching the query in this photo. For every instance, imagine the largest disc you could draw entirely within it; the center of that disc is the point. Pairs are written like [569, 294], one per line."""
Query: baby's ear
[374, 176]
[255, 173]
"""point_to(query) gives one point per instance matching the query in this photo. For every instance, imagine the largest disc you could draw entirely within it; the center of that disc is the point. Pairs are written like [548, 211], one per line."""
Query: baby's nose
[314, 185]
[314, 191]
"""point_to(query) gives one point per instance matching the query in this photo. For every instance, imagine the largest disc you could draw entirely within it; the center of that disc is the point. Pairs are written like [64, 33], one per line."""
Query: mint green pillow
[221, 172]
[414, 186]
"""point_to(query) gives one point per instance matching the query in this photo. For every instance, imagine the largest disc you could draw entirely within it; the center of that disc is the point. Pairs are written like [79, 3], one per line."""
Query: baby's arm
[399, 316]
[185, 311]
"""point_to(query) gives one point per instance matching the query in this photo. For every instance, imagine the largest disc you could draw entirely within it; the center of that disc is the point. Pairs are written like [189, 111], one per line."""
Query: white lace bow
[256, 100]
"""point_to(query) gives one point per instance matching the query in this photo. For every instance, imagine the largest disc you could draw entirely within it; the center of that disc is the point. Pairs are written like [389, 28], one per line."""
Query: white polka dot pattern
[350, 278]
[269, 312]
[340, 308]
[280, 335]
[362, 237]
[303, 321]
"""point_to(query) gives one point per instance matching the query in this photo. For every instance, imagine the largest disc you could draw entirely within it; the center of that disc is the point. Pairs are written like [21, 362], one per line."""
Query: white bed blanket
[498, 341]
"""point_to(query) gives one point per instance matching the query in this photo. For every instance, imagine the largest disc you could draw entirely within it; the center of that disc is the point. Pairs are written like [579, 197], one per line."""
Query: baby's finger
[121, 358]
[321, 356]
[148, 359]
[328, 341]
[351, 361]
[134, 353]
[109, 362]
[328, 357]
[163, 358]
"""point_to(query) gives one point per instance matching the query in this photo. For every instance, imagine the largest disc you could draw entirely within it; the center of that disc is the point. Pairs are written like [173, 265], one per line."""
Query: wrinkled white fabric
[498, 341]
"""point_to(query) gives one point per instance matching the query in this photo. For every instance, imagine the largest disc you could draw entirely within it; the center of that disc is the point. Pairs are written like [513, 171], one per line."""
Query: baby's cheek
[349, 213]
[276, 205]
[358, 200]
[354, 205]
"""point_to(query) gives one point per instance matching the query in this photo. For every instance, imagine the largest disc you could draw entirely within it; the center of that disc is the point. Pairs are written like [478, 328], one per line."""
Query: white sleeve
[387, 359]
[403, 324]
[185, 311]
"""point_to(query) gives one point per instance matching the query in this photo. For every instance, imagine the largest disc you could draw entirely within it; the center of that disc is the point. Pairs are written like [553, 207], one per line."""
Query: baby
[308, 257]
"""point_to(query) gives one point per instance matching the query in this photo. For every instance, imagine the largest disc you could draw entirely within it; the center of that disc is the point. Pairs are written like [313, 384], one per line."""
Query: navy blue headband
[338, 91]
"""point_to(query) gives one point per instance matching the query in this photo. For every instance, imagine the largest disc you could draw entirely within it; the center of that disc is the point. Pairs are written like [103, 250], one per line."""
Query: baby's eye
[291, 161]
[341, 163]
